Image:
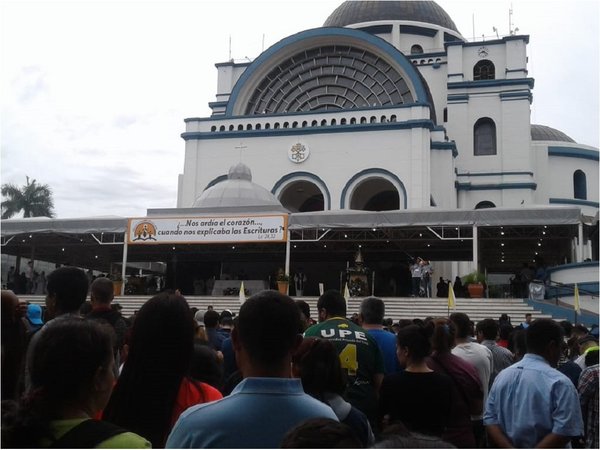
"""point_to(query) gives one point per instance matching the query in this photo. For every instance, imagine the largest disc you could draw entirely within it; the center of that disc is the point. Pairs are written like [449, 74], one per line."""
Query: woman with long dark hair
[72, 376]
[154, 387]
[418, 397]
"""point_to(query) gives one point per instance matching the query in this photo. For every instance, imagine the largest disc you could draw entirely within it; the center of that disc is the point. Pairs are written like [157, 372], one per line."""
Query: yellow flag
[576, 299]
[242, 294]
[346, 292]
[451, 299]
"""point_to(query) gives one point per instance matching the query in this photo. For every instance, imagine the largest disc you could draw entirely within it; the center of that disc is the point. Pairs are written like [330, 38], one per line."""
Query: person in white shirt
[478, 355]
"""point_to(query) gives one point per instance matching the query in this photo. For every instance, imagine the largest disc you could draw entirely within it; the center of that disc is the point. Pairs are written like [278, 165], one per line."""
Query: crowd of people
[82, 375]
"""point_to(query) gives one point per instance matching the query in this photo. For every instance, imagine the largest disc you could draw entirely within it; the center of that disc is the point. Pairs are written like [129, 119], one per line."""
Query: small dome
[352, 12]
[240, 172]
[544, 133]
[238, 192]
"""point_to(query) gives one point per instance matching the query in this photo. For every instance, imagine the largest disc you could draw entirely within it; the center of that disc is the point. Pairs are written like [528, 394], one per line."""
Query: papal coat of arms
[298, 153]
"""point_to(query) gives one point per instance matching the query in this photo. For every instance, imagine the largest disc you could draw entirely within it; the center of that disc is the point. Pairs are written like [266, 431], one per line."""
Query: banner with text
[206, 230]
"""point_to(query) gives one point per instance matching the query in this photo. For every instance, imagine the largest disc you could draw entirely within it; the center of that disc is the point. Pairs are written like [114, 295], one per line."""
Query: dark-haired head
[317, 364]
[415, 340]
[331, 304]
[487, 329]
[442, 339]
[160, 351]
[544, 338]
[462, 324]
[72, 370]
[321, 433]
[267, 332]
[67, 290]
[211, 319]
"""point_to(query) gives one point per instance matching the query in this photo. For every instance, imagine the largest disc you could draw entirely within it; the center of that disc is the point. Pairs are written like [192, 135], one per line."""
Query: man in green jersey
[359, 353]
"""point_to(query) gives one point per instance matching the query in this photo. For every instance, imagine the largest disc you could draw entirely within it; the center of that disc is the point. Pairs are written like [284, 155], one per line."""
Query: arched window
[484, 70]
[249, 126]
[416, 49]
[484, 137]
[579, 185]
[485, 204]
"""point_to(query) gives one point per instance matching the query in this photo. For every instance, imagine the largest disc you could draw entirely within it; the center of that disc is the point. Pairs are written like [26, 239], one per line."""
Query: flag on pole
[451, 298]
[346, 292]
[242, 294]
[576, 300]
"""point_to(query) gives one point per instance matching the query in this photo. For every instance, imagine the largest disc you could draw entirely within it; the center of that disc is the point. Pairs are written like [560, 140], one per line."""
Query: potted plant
[283, 281]
[475, 283]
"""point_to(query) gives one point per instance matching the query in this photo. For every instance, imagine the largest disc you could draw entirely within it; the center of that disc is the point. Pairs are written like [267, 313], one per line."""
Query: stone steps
[396, 307]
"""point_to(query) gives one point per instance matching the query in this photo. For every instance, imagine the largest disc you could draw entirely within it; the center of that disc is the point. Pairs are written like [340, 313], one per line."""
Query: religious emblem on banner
[298, 153]
[144, 231]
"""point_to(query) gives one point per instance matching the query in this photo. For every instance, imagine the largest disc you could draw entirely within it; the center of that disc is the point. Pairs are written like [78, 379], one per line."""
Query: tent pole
[123, 267]
[580, 246]
[475, 249]
[287, 253]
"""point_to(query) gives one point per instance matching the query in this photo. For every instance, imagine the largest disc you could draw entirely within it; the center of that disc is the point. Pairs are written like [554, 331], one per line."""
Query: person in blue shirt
[372, 312]
[531, 404]
[268, 402]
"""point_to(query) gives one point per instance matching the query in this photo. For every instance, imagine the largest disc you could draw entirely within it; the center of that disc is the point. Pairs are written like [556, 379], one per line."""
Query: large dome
[544, 133]
[238, 192]
[353, 12]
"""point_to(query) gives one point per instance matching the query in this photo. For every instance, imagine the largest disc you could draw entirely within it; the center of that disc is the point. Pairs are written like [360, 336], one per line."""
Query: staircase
[396, 307]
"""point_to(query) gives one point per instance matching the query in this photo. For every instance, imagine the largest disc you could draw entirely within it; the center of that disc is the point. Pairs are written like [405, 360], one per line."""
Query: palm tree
[35, 200]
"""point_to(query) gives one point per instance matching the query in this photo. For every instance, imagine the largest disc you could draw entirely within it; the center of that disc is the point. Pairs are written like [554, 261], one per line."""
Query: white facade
[410, 153]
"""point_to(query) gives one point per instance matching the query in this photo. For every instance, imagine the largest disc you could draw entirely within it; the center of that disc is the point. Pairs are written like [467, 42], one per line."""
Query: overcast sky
[94, 93]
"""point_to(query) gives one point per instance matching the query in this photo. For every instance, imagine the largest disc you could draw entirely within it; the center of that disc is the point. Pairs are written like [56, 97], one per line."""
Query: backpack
[87, 434]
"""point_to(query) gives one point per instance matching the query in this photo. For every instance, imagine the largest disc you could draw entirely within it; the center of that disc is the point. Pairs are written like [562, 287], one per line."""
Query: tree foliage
[35, 200]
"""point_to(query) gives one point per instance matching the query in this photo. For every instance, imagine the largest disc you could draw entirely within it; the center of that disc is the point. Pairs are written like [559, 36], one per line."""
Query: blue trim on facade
[522, 37]
[419, 31]
[458, 97]
[515, 70]
[285, 116]
[573, 201]
[445, 146]
[265, 58]
[233, 64]
[373, 171]
[215, 181]
[572, 266]
[516, 96]
[562, 312]
[494, 186]
[491, 83]
[312, 176]
[571, 152]
[377, 29]
[425, 55]
[216, 104]
[428, 124]
[488, 174]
